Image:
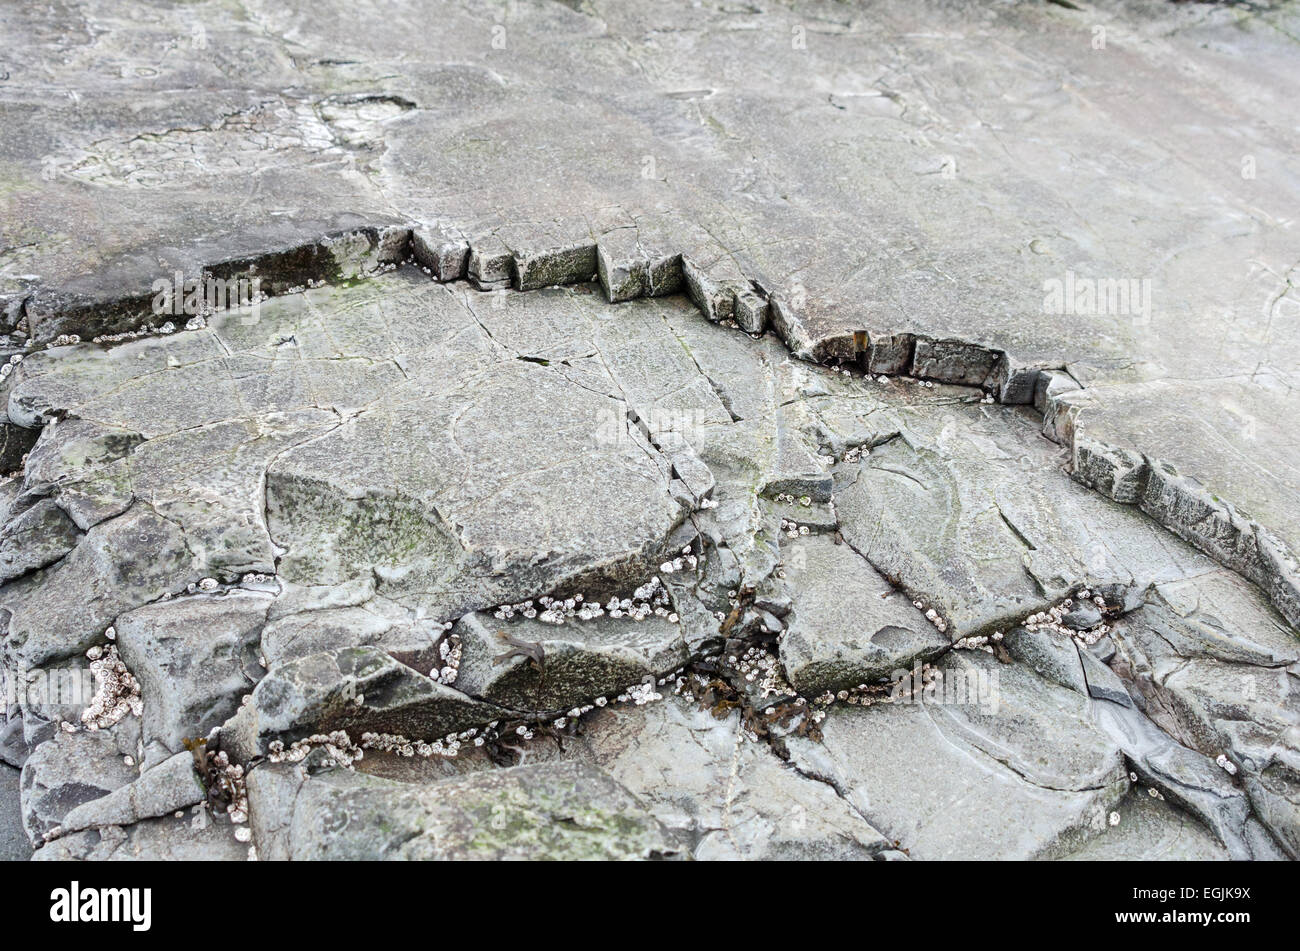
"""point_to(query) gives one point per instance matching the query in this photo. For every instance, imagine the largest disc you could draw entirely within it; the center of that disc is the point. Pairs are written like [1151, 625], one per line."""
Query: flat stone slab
[970, 513]
[551, 811]
[847, 625]
[1151, 828]
[721, 790]
[957, 779]
[195, 659]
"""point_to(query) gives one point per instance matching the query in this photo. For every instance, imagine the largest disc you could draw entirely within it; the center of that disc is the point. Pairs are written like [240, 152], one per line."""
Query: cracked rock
[846, 625]
[579, 660]
[956, 779]
[970, 479]
[195, 658]
[356, 689]
[347, 549]
[726, 796]
[192, 837]
[170, 786]
[72, 769]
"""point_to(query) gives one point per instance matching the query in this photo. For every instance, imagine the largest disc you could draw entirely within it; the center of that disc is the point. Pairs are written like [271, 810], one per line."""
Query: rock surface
[846, 624]
[590, 471]
[1151, 829]
[1015, 771]
[363, 627]
[561, 812]
[14, 846]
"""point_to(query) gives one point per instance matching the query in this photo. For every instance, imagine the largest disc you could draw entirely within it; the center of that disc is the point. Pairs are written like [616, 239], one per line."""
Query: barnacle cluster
[650, 598]
[979, 642]
[640, 694]
[760, 666]
[227, 781]
[687, 559]
[933, 616]
[117, 692]
[338, 746]
[1053, 619]
[448, 746]
[449, 651]
[793, 529]
[214, 585]
[7, 368]
[149, 330]
[788, 499]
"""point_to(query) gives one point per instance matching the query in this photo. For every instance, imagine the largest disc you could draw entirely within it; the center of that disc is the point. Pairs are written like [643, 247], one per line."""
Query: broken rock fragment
[119, 564]
[354, 689]
[35, 538]
[72, 769]
[443, 255]
[725, 795]
[530, 665]
[195, 658]
[847, 625]
[1005, 765]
